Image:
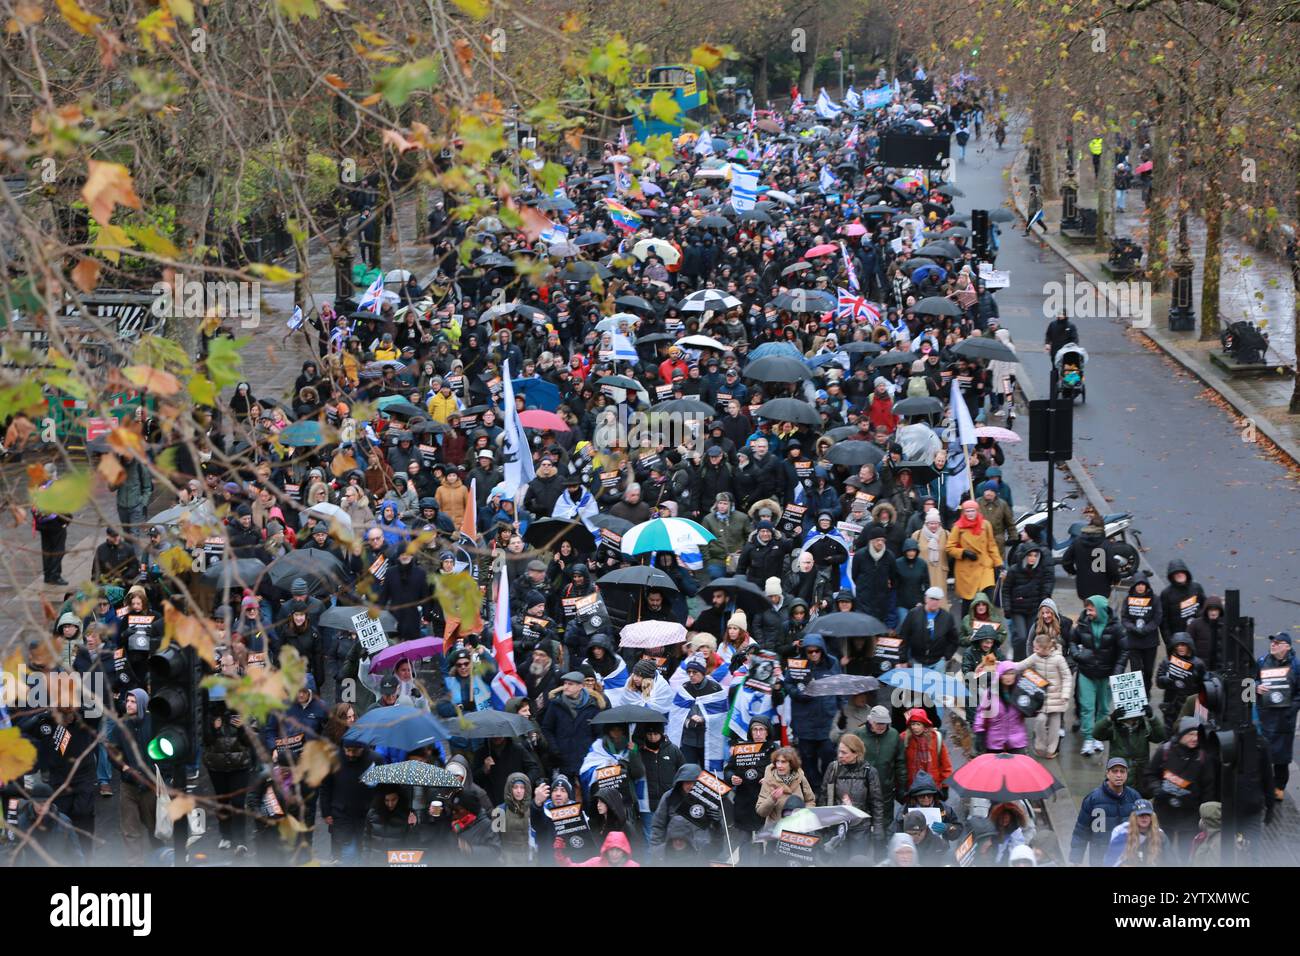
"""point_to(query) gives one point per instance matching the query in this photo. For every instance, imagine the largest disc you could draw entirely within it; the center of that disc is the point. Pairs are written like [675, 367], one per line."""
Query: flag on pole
[797, 103]
[848, 267]
[704, 145]
[507, 683]
[622, 217]
[624, 350]
[553, 234]
[469, 523]
[877, 99]
[296, 320]
[825, 108]
[852, 99]
[622, 139]
[827, 181]
[371, 299]
[853, 306]
[959, 483]
[744, 188]
[517, 458]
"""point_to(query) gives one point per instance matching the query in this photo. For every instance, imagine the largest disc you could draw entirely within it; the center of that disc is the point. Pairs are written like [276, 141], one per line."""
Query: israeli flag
[557, 233]
[624, 350]
[852, 99]
[597, 758]
[827, 181]
[704, 145]
[959, 483]
[714, 708]
[825, 108]
[749, 703]
[296, 320]
[744, 188]
[370, 300]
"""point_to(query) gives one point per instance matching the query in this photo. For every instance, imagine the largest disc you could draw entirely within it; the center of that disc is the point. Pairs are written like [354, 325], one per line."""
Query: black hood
[688, 773]
[1143, 577]
[1178, 564]
[922, 784]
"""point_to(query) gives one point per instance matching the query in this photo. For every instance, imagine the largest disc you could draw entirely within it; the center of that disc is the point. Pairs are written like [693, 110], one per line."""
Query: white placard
[369, 632]
[1128, 693]
[992, 278]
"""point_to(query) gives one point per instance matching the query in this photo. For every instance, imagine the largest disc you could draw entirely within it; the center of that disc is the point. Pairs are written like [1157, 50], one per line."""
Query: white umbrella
[701, 342]
[196, 512]
[658, 247]
[782, 197]
[680, 535]
[332, 513]
[397, 275]
[619, 158]
[563, 250]
[652, 634]
[711, 174]
[611, 323]
[709, 300]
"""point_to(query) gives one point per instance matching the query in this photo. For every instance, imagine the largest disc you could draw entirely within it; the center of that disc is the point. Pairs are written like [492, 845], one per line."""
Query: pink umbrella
[422, 648]
[854, 229]
[825, 249]
[652, 634]
[997, 434]
[538, 418]
[1144, 167]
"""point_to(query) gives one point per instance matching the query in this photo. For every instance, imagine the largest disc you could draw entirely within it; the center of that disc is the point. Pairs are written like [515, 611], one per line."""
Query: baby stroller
[1070, 361]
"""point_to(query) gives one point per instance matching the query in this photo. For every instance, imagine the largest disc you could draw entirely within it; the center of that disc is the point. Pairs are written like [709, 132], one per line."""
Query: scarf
[974, 525]
[785, 779]
[931, 541]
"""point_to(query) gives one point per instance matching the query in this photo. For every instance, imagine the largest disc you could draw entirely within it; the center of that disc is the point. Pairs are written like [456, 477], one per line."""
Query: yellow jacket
[974, 576]
[440, 408]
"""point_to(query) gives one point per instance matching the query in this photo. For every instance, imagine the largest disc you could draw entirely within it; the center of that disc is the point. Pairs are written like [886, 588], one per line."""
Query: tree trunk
[760, 80]
[1213, 261]
[1157, 223]
[808, 63]
[1106, 184]
[1048, 129]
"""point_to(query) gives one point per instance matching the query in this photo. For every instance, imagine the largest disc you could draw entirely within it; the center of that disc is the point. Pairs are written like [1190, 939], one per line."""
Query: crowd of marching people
[770, 627]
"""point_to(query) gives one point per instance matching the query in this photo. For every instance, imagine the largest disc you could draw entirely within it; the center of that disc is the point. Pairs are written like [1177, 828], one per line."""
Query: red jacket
[667, 367]
[616, 840]
[880, 411]
[927, 753]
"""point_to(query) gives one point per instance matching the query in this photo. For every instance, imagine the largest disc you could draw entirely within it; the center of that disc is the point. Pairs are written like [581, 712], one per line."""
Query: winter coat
[927, 755]
[1024, 588]
[1055, 669]
[730, 533]
[885, 752]
[513, 820]
[1207, 635]
[1171, 763]
[973, 576]
[1001, 724]
[228, 748]
[922, 646]
[759, 561]
[1180, 604]
[1140, 616]
[1082, 558]
[704, 837]
[568, 731]
[769, 806]
[746, 793]
[875, 581]
[1277, 723]
[860, 782]
[406, 587]
[342, 794]
[913, 578]
[969, 624]
[939, 568]
[1101, 811]
[1098, 656]
[511, 760]
[811, 717]
[998, 514]
[660, 767]
[1132, 740]
[1179, 683]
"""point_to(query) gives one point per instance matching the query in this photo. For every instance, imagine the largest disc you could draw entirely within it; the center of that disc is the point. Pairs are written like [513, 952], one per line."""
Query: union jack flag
[855, 307]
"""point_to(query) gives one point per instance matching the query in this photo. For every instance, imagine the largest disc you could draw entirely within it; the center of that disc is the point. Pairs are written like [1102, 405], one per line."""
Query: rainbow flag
[622, 217]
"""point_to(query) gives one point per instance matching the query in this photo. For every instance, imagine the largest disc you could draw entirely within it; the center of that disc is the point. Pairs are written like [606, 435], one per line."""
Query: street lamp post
[839, 58]
[1182, 315]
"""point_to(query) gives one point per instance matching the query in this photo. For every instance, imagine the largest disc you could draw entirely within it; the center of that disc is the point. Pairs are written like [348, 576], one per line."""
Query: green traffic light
[166, 746]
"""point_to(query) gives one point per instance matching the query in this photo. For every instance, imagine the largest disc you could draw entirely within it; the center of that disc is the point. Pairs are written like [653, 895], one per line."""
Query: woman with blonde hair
[1138, 841]
[783, 779]
[933, 541]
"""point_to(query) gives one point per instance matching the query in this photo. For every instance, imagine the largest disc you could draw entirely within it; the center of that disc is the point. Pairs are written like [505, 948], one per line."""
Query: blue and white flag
[296, 320]
[961, 417]
[919, 75]
[624, 350]
[704, 145]
[599, 758]
[744, 188]
[852, 99]
[714, 708]
[749, 703]
[370, 301]
[691, 560]
[515, 452]
[825, 108]
[616, 678]
[877, 99]
[660, 696]
[556, 233]
[813, 536]
[584, 509]
[826, 181]
[959, 483]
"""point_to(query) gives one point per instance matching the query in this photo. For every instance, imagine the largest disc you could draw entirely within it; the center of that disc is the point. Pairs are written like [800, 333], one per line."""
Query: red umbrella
[1005, 777]
[853, 229]
[538, 418]
[1144, 167]
[825, 249]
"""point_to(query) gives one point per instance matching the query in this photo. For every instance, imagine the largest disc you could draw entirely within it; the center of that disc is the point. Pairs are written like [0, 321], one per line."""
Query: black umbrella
[654, 338]
[755, 215]
[862, 348]
[792, 410]
[549, 532]
[979, 347]
[844, 624]
[580, 270]
[320, 569]
[880, 210]
[940, 250]
[404, 410]
[749, 597]
[629, 714]
[683, 406]
[233, 573]
[634, 302]
[1001, 214]
[797, 267]
[715, 222]
[922, 472]
[362, 316]
[341, 618]
[777, 368]
[482, 724]
[923, 405]
[948, 191]
[937, 305]
[638, 576]
[842, 685]
[894, 358]
[842, 432]
[494, 260]
[608, 522]
[853, 454]
[429, 428]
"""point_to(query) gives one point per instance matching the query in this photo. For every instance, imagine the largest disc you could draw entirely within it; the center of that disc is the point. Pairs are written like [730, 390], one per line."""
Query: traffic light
[174, 703]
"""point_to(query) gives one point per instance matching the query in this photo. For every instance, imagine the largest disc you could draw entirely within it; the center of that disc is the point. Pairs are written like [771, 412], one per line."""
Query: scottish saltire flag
[714, 708]
[825, 108]
[958, 483]
[660, 697]
[622, 217]
[797, 103]
[597, 759]
[878, 98]
[744, 188]
[854, 306]
[624, 350]
[296, 320]
[515, 452]
[852, 99]
[556, 233]
[826, 181]
[507, 683]
[848, 267]
[370, 300]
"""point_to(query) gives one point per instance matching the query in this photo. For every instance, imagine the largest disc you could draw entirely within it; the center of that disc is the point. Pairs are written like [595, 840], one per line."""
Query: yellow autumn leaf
[175, 561]
[111, 470]
[77, 18]
[86, 275]
[273, 273]
[478, 9]
[152, 380]
[182, 8]
[188, 631]
[110, 241]
[108, 185]
[179, 806]
[17, 755]
[316, 762]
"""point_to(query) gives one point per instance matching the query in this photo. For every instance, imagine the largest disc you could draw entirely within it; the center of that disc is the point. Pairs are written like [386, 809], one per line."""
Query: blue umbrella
[788, 349]
[817, 361]
[922, 680]
[400, 727]
[921, 273]
[537, 392]
[305, 434]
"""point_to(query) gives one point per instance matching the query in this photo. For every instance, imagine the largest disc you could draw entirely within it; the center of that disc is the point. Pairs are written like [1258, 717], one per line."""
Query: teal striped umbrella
[666, 534]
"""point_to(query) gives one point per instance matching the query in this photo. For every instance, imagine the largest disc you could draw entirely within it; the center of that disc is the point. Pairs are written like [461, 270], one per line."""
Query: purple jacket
[1002, 725]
